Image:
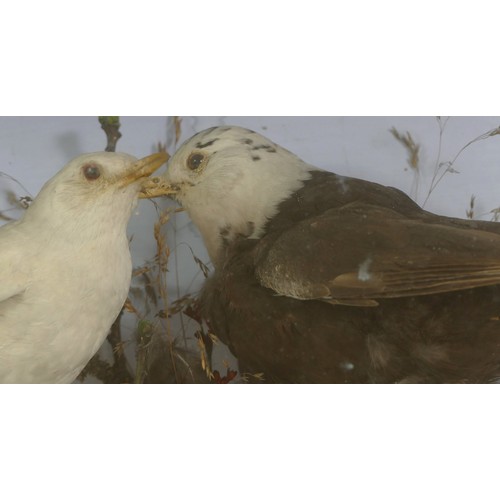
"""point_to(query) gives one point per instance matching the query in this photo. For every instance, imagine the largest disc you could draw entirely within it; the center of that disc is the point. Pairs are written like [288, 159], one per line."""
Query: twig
[22, 202]
[111, 126]
[447, 166]
[120, 369]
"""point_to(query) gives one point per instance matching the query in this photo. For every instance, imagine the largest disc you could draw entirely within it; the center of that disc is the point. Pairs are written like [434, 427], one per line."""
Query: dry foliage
[441, 167]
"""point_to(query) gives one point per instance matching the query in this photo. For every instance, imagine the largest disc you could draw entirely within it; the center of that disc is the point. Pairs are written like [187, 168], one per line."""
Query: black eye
[91, 172]
[195, 160]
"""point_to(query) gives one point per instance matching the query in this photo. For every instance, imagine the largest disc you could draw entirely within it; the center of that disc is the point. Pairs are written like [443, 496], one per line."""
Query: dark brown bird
[324, 278]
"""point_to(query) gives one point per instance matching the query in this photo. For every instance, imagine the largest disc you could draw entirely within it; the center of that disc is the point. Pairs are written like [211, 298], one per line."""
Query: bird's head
[230, 180]
[94, 187]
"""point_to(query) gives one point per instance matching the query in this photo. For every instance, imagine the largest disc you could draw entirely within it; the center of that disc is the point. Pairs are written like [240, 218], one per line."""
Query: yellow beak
[144, 167]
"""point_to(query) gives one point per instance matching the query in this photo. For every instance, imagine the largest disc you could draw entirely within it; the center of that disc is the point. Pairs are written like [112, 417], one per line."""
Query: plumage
[324, 278]
[65, 267]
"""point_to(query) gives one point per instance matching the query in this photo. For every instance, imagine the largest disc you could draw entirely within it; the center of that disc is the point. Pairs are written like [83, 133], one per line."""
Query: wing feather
[359, 253]
[13, 269]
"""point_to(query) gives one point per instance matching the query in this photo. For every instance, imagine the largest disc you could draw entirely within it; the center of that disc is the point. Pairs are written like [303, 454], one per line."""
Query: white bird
[65, 267]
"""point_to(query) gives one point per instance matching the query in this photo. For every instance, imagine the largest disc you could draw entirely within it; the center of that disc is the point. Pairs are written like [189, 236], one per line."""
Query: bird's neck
[245, 210]
[88, 220]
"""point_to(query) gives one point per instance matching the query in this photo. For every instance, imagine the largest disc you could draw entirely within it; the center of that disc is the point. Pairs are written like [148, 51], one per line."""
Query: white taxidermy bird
[65, 267]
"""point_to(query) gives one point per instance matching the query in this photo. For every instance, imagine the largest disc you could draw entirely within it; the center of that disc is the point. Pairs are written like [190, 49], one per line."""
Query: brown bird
[325, 278]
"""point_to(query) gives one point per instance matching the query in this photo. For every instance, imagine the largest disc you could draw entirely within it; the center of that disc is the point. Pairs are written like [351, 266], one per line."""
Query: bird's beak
[156, 186]
[144, 167]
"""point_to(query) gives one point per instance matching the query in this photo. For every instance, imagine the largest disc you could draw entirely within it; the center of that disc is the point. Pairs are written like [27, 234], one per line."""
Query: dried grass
[441, 168]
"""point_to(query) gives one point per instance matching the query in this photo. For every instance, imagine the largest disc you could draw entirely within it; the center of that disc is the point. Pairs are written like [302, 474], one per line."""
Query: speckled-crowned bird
[324, 278]
[65, 267]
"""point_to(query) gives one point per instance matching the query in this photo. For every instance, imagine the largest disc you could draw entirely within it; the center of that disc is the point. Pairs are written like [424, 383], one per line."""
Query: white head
[230, 180]
[91, 189]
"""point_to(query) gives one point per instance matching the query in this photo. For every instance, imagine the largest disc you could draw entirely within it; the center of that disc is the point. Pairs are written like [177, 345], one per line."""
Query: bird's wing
[14, 277]
[360, 253]
[12, 283]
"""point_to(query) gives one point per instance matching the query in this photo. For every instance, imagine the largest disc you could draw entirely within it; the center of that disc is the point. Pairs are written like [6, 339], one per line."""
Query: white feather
[233, 190]
[65, 271]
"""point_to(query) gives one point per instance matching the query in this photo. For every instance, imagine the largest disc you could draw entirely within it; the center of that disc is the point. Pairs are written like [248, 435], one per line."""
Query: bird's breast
[75, 293]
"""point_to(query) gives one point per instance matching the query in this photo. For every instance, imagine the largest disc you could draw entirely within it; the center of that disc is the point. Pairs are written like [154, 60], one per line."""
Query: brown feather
[358, 334]
[361, 251]
[323, 278]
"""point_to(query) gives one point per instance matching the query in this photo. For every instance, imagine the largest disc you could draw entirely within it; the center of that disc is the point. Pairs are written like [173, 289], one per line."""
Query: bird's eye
[195, 160]
[91, 171]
